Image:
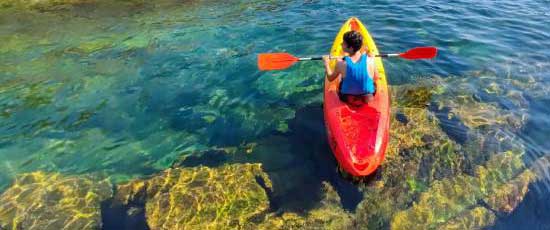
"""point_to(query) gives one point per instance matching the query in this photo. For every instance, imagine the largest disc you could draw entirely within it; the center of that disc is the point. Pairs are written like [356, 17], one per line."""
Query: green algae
[92, 46]
[423, 165]
[508, 196]
[97, 90]
[418, 154]
[235, 198]
[449, 198]
[38, 94]
[445, 180]
[201, 197]
[328, 215]
[209, 119]
[41, 4]
[248, 120]
[475, 218]
[462, 96]
[414, 97]
[420, 144]
[440, 177]
[41, 200]
[127, 155]
[416, 185]
[136, 41]
[303, 86]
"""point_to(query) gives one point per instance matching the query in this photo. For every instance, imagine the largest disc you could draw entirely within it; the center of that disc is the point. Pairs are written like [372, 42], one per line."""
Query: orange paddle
[278, 61]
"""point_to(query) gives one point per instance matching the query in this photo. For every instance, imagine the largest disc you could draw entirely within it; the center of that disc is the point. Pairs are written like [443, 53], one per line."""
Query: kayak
[357, 134]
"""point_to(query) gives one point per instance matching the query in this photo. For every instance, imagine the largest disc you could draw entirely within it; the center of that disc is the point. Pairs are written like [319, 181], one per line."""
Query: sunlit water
[125, 89]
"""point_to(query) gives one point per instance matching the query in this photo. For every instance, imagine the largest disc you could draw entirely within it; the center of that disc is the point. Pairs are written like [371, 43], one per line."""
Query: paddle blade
[420, 53]
[275, 61]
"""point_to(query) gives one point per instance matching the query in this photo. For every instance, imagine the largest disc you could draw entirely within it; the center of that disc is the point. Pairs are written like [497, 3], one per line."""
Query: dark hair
[354, 40]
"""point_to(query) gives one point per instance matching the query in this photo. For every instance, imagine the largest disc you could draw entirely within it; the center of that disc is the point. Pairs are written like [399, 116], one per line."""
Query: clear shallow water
[125, 89]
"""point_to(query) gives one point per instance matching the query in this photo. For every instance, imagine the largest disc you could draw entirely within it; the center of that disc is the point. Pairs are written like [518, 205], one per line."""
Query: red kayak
[358, 135]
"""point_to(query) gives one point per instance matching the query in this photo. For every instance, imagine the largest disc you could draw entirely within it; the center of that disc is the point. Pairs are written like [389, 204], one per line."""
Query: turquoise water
[125, 89]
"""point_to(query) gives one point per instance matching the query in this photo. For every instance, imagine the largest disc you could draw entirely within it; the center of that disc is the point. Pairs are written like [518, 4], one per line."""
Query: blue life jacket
[358, 80]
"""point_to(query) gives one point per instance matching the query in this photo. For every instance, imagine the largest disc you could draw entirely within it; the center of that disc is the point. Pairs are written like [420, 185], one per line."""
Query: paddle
[278, 61]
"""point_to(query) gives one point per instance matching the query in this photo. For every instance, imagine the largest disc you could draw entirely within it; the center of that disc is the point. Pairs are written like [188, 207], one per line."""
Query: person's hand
[370, 54]
[326, 59]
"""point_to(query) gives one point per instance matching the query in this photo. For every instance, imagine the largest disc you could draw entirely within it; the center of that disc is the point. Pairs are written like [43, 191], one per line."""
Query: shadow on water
[451, 125]
[208, 158]
[297, 172]
[316, 163]
[297, 163]
[123, 217]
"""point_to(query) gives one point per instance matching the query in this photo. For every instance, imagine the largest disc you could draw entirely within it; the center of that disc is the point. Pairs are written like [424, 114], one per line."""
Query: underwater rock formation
[200, 197]
[41, 3]
[228, 196]
[498, 186]
[475, 218]
[481, 101]
[412, 147]
[426, 166]
[329, 215]
[418, 154]
[41, 200]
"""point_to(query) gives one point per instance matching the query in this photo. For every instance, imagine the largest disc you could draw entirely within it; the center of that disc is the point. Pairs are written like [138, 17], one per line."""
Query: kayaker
[357, 70]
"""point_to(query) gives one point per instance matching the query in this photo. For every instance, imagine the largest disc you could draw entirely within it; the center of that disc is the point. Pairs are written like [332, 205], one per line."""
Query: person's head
[353, 41]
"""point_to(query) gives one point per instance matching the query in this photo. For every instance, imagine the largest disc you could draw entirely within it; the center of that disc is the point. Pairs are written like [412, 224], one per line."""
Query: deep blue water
[125, 90]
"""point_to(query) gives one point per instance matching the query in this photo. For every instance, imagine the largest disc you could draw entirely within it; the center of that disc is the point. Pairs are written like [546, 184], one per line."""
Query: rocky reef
[41, 200]
[328, 215]
[455, 202]
[200, 197]
[43, 4]
[442, 169]
[229, 196]
[419, 153]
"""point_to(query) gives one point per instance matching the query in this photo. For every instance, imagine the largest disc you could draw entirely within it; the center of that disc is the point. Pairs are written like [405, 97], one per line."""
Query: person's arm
[331, 75]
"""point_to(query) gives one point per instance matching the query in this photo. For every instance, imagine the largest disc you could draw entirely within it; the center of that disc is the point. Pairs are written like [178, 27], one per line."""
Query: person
[356, 70]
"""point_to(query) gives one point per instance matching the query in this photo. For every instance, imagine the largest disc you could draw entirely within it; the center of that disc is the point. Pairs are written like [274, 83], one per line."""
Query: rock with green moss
[42, 4]
[40, 200]
[483, 100]
[328, 215]
[419, 153]
[508, 196]
[475, 218]
[229, 196]
[445, 179]
[501, 184]
[201, 197]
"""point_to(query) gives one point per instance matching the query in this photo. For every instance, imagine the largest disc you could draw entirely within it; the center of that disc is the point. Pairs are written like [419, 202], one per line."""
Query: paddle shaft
[278, 61]
[338, 57]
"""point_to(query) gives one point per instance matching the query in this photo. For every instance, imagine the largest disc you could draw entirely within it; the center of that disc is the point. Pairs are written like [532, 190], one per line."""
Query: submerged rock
[225, 197]
[228, 196]
[487, 107]
[457, 202]
[413, 161]
[432, 180]
[40, 200]
[508, 196]
[329, 215]
[40, 4]
[412, 148]
[475, 218]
